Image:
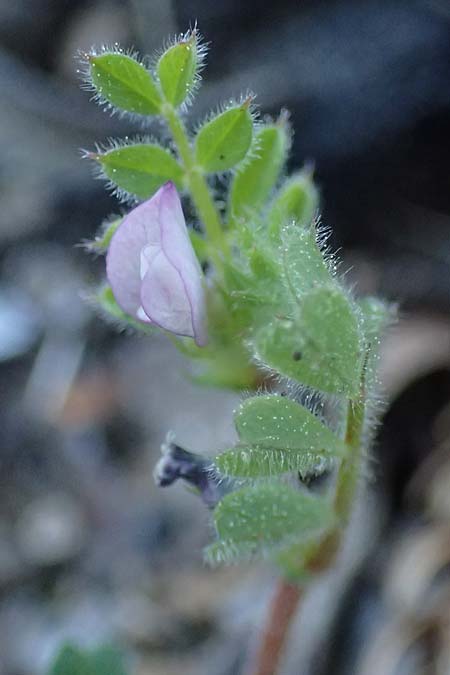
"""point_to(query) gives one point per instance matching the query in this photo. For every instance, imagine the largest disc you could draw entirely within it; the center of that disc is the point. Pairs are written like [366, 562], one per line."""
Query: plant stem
[282, 610]
[286, 599]
[349, 471]
[198, 187]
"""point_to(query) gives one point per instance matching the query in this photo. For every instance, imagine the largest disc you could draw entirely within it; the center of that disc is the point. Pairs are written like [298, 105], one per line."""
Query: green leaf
[260, 462]
[273, 421]
[177, 69]
[320, 345]
[105, 302]
[224, 141]
[376, 316]
[107, 661]
[302, 261]
[269, 515]
[124, 83]
[278, 436]
[140, 168]
[252, 185]
[296, 201]
[71, 661]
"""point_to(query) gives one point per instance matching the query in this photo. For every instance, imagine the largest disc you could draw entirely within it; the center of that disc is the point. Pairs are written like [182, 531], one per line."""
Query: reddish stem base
[282, 609]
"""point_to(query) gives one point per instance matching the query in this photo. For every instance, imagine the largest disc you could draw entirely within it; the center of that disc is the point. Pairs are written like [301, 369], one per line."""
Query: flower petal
[153, 270]
[164, 297]
[178, 249]
[137, 230]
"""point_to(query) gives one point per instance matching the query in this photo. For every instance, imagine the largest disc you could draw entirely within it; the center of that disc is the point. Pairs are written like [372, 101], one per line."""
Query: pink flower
[153, 270]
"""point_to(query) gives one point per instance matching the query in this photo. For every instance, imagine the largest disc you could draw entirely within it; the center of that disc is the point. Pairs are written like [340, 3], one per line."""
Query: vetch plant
[251, 293]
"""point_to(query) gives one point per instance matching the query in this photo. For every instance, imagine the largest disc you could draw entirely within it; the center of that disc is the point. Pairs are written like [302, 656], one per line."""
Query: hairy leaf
[224, 141]
[269, 515]
[124, 83]
[141, 168]
[302, 261]
[260, 461]
[320, 345]
[253, 183]
[376, 316]
[296, 201]
[273, 421]
[177, 70]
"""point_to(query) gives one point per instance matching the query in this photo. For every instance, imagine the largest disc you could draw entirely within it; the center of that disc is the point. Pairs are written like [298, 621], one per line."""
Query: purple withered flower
[177, 463]
[153, 270]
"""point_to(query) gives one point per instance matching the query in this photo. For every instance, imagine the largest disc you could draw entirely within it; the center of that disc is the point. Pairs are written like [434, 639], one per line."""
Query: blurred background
[90, 550]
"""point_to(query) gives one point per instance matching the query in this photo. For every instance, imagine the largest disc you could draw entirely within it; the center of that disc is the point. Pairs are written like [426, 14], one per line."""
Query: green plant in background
[72, 660]
[254, 283]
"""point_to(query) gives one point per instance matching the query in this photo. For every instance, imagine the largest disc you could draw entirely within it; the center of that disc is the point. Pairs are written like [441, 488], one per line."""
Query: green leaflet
[124, 83]
[258, 461]
[320, 345]
[140, 169]
[177, 70]
[269, 515]
[107, 661]
[376, 316]
[296, 201]
[277, 435]
[224, 141]
[252, 185]
[71, 661]
[277, 422]
[303, 264]
[101, 661]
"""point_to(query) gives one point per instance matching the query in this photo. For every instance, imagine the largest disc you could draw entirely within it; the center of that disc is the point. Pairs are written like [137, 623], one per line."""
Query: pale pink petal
[164, 297]
[153, 270]
[138, 228]
[178, 249]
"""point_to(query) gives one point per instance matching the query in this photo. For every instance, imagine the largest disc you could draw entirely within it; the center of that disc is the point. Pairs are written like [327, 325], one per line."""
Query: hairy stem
[198, 187]
[282, 610]
[286, 599]
[350, 469]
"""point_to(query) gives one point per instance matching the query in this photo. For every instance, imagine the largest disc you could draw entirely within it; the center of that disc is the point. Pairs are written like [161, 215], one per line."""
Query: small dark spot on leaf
[221, 156]
[297, 355]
